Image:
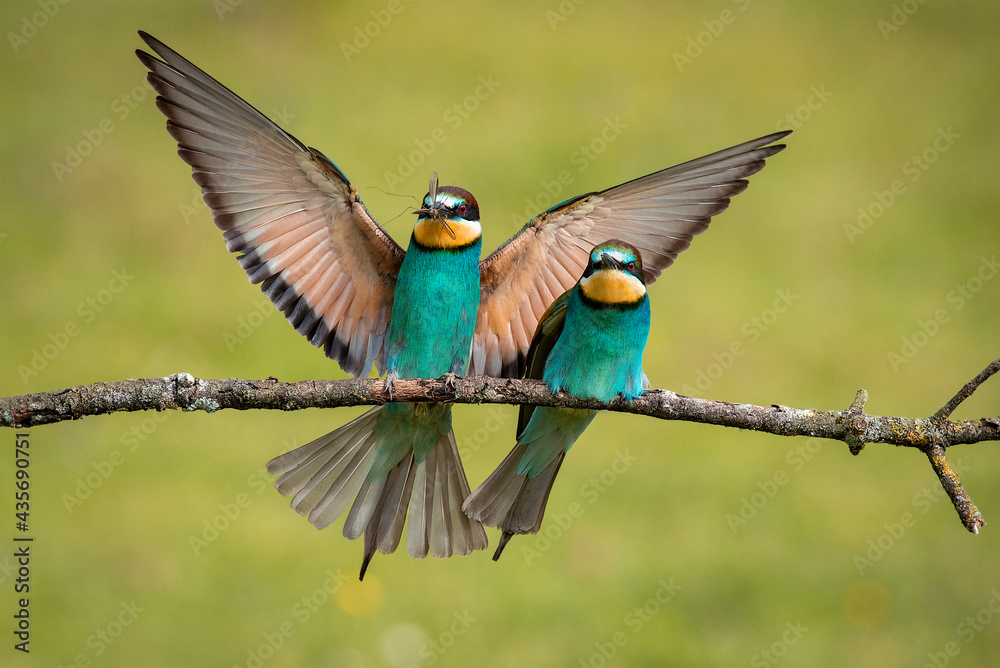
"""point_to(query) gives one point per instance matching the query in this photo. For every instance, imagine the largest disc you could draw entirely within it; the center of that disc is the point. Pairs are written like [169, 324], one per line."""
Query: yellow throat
[431, 233]
[611, 286]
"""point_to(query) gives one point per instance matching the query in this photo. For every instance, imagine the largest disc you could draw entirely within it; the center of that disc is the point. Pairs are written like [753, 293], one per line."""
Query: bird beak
[433, 211]
[609, 262]
[435, 214]
[432, 191]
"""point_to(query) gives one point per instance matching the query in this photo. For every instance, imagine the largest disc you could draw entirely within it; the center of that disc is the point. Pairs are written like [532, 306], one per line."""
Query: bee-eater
[589, 343]
[304, 234]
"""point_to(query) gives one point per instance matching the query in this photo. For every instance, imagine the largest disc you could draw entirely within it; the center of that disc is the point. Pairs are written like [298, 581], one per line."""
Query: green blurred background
[835, 561]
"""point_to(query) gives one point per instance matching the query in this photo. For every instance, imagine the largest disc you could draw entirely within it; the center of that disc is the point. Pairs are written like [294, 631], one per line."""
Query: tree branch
[967, 390]
[853, 426]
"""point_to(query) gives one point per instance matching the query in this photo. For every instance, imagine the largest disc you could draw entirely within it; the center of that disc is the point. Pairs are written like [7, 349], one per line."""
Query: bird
[302, 232]
[402, 457]
[589, 343]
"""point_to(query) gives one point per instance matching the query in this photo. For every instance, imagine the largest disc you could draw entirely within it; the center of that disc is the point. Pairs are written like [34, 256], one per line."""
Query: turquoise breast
[611, 340]
[434, 311]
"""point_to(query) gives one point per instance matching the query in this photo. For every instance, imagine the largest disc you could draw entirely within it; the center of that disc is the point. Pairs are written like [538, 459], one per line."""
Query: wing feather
[550, 328]
[658, 214]
[299, 226]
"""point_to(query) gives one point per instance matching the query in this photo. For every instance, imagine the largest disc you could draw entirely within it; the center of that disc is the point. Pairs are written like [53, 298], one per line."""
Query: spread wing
[300, 227]
[657, 213]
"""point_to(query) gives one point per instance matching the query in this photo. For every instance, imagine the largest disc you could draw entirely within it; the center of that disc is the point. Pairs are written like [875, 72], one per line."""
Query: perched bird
[589, 343]
[402, 457]
[304, 234]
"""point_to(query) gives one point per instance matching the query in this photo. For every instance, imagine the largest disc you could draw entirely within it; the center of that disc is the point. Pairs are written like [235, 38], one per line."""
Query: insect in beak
[447, 227]
[432, 189]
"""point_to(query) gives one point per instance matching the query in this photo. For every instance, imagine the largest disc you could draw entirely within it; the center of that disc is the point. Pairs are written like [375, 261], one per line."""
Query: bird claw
[390, 383]
[449, 380]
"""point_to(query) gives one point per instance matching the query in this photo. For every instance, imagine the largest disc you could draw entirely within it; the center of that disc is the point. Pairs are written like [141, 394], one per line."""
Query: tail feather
[491, 501]
[513, 501]
[437, 524]
[369, 553]
[364, 506]
[501, 544]
[295, 468]
[392, 511]
[448, 522]
[343, 488]
[416, 536]
[529, 507]
[382, 521]
[325, 475]
[382, 503]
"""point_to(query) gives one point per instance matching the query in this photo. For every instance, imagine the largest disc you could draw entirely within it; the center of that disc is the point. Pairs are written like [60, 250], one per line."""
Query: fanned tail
[324, 476]
[379, 511]
[437, 524]
[512, 501]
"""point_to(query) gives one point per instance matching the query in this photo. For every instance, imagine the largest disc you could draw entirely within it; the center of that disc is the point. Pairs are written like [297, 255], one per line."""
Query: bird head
[613, 276]
[448, 218]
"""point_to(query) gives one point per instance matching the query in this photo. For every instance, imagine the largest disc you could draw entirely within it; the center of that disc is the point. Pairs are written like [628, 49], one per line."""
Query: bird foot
[390, 383]
[449, 380]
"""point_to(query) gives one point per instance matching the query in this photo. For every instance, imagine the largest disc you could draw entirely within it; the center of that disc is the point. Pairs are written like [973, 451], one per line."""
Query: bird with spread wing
[303, 233]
